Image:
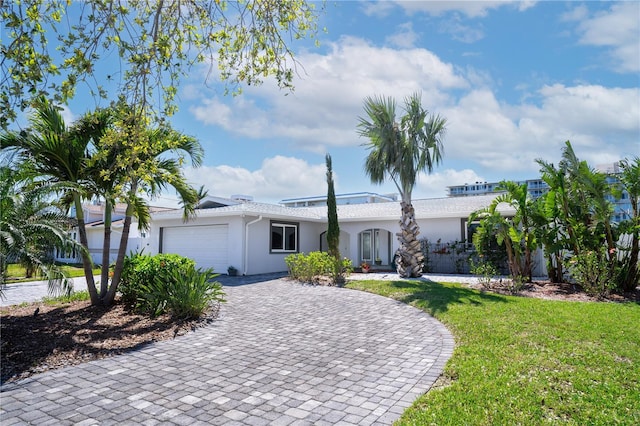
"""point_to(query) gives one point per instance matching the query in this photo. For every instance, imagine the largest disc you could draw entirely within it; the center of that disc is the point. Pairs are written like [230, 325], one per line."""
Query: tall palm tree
[401, 150]
[111, 155]
[57, 156]
[148, 161]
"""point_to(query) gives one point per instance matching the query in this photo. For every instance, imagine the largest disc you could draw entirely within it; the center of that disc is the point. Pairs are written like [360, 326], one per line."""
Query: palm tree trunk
[87, 264]
[410, 260]
[122, 251]
[106, 248]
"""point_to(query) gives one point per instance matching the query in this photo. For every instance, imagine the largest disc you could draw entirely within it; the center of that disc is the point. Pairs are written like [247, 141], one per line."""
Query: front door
[366, 246]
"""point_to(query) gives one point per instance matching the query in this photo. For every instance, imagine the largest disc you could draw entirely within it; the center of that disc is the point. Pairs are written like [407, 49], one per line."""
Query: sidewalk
[33, 291]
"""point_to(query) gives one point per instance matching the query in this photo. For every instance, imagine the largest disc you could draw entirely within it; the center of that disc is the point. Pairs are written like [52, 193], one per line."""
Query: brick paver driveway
[280, 353]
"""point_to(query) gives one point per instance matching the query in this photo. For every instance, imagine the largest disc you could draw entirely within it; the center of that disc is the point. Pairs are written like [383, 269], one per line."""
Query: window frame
[284, 225]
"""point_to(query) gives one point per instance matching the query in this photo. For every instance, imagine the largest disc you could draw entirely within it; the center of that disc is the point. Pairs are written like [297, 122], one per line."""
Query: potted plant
[365, 267]
[232, 271]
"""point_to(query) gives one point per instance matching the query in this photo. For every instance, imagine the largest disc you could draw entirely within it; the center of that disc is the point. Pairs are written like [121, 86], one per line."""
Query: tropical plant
[575, 221]
[148, 159]
[31, 228]
[630, 180]
[190, 295]
[113, 155]
[549, 215]
[58, 156]
[400, 150]
[516, 233]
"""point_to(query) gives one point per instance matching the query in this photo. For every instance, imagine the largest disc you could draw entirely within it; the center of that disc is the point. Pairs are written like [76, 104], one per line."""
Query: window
[284, 237]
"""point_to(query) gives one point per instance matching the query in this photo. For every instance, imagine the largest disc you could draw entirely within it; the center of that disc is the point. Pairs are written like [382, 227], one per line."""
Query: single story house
[256, 237]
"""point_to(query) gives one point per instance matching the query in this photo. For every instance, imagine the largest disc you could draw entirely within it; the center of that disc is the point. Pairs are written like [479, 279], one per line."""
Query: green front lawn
[16, 273]
[527, 361]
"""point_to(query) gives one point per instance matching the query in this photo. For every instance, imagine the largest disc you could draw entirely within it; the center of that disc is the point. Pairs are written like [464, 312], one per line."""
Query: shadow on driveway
[237, 281]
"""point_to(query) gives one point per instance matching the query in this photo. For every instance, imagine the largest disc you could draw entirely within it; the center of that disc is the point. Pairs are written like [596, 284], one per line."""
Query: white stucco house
[256, 237]
[94, 224]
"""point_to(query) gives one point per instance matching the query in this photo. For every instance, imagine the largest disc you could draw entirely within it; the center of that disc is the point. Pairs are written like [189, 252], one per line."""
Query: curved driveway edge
[281, 353]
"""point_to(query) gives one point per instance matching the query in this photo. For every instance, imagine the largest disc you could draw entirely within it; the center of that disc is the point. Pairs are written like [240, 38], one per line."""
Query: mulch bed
[557, 291]
[52, 337]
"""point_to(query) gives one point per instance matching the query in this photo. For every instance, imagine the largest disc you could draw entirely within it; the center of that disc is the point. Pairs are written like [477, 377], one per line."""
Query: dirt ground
[35, 338]
[33, 341]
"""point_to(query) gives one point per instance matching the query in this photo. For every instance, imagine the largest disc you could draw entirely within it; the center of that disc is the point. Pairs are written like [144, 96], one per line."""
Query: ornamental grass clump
[190, 295]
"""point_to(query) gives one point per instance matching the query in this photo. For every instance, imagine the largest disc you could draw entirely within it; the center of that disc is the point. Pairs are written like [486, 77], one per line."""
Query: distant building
[341, 199]
[538, 187]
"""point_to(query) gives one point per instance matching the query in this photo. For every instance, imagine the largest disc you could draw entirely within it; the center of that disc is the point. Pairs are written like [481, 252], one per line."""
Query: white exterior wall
[447, 229]
[234, 243]
[95, 238]
[260, 258]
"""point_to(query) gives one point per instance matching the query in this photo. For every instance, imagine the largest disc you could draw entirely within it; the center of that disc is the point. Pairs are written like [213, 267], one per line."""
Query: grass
[76, 296]
[527, 361]
[16, 273]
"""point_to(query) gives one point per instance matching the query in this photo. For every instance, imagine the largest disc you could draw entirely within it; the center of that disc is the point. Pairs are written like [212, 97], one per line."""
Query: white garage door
[207, 245]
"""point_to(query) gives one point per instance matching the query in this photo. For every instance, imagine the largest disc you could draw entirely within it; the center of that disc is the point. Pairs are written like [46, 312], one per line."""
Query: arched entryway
[374, 247]
[345, 246]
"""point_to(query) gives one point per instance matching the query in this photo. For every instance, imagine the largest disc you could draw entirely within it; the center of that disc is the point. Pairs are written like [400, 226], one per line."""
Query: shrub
[485, 270]
[139, 275]
[310, 267]
[591, 270]
[188, 295]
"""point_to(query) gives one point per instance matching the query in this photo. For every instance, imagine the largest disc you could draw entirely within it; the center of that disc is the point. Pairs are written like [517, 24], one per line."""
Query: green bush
[591, 270]
[311, 267]
[139, 275]
[486, 271]
[188, 295]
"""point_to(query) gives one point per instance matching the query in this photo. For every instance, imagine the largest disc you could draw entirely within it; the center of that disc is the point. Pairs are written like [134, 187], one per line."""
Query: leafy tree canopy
[50, 47]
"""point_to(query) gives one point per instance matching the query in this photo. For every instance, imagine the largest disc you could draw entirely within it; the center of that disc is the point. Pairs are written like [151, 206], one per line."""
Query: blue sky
[514, 80]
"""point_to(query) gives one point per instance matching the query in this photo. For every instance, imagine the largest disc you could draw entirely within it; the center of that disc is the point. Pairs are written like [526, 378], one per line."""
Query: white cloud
[434, 185]
[602, 124]
[495, 138]
[279, 177]
[472, 9]
[461, 32]
[377, 8]
[67, 115]
[324, 108]
[405, 37]
[617, 28]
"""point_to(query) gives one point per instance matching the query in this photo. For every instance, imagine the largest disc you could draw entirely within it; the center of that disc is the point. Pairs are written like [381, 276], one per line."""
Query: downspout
[246, 244]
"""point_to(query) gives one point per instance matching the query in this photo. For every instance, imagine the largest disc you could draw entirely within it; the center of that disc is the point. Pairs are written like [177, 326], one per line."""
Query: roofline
[322, 197]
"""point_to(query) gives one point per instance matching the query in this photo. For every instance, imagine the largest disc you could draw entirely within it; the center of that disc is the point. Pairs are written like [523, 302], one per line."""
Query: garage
[207, 245]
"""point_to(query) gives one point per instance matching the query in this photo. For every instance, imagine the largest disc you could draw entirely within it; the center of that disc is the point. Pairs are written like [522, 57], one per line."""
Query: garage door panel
[206, 245]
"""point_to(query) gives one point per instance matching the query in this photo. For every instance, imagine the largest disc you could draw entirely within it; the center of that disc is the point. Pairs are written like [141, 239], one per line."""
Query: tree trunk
[410, 259]
[122, 251]
[87, 264]
[106, 248]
